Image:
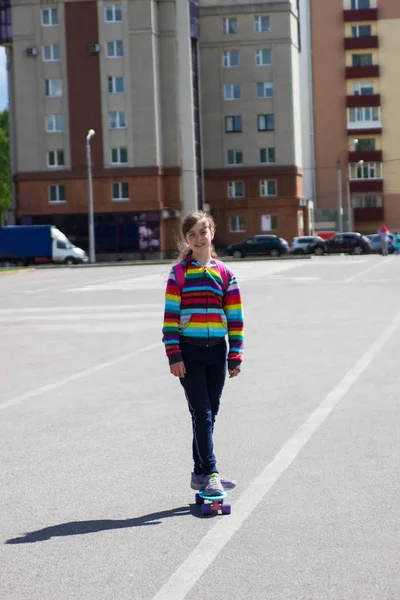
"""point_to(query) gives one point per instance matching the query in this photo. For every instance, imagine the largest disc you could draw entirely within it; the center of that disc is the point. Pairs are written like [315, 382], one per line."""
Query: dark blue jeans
[203, 384]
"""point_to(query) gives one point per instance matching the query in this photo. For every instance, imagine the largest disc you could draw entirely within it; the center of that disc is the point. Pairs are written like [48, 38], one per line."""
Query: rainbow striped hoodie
[203, 312]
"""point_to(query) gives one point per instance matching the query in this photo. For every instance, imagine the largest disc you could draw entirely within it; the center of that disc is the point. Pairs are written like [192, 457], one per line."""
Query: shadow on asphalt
[82, 527]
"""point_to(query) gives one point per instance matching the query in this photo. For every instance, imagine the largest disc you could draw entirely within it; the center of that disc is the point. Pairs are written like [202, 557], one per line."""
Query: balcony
[366, 186]
[366, 156]
[361, 43]
[362, 72]
[363, 100]
[5, 23]
[363, 118]
[368, 130]
[364, 14]
[369, 214]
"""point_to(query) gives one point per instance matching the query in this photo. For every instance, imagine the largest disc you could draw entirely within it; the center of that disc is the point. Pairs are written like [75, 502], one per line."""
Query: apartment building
[133, 71]
[356, 49]
[250, 90]
[125, 70]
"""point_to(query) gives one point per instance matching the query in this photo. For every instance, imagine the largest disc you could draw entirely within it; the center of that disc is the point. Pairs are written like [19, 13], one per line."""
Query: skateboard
[210, 504]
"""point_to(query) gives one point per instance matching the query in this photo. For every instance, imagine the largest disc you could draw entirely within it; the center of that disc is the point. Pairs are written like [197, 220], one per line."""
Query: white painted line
[128, 276]
[105, 317]
[57, 384]
[190, 571]
[66, 309]
[379, 264]
[36, 291]
[291, 279]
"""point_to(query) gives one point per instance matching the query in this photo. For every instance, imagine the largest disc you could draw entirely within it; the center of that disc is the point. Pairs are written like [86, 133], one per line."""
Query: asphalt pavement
[95, 439]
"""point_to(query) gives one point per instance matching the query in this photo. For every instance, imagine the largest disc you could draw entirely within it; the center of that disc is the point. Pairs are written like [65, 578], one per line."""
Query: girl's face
[200, 237]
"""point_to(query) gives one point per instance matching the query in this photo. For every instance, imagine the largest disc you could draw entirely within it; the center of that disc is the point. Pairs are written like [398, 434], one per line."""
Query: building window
[51, 52]
[49, 17]
[235, 157]
[117, 120]
[263, 58]
[230, 25]
[115, 49]
[266, 122]
[113, 13]
[116, 85]
[361, 31]
[261, 24]
[232, 91]
[119, 156]
[366, 201]
[360, 4]
[53, 88]
[364, 114]
[230, 58]
[268, 187]
[235, 189]
[365, 145]
[233, 124]
[265, 89]
[54, 123]
[55, 158]
[57, 193]
[366, 171]
[361, 60]
[269, 223]
[237, 224]
[363, 89]
[120, 191]
[267, 155]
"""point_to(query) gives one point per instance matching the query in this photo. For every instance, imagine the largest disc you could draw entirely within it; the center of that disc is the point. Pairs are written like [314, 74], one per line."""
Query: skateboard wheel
[226, 509]
[206, 509]
[199, 499]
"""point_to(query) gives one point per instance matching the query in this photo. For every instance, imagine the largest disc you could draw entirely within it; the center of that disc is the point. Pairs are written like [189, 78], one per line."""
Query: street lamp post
[92, 255]
[349, 203]
[340, 208]
[339, 183]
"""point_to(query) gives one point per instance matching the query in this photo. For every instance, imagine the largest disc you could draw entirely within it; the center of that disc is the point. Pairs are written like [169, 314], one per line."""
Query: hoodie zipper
[206, 292]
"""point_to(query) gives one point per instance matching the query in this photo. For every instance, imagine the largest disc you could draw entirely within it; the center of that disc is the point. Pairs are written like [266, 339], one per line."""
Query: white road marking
[74, 317]
[339, 261]
[375, 266]
[291, 279]
[57, 384]
[121, 282]
[67, 309]
[190, 571]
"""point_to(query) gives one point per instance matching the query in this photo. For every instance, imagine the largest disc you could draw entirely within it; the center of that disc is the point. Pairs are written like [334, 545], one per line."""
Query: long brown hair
[187, 224]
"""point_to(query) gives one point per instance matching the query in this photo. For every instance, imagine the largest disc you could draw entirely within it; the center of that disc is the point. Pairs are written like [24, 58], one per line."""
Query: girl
[202, 305]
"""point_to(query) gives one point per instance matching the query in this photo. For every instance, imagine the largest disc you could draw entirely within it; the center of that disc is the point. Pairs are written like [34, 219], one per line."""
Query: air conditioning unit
[167, 213]
[303, 202]
[94, 48]
[31, 51]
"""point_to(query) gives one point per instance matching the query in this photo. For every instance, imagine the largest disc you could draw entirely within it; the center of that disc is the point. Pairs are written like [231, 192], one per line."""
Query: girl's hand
[233, 373]
[178, 369]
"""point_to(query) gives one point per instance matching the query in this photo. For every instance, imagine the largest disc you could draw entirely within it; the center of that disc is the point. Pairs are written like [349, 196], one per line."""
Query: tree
[5, 167]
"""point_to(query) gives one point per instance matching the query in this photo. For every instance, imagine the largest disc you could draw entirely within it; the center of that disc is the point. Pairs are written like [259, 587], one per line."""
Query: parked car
[300, 245]
[350, 243]
[376, 242]
[259, 245]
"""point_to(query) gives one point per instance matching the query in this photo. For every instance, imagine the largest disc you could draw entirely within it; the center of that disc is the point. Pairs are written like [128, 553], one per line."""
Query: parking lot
[95, 439]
